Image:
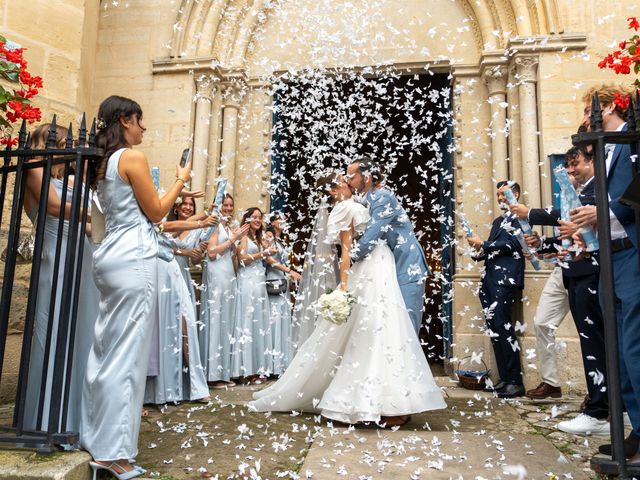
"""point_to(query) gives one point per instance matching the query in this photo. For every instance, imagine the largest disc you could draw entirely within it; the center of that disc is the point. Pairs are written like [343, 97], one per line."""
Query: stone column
[231, 100]
[201, 134]
[513, 119]
[495, 78]
[215, 140]
[526, 73]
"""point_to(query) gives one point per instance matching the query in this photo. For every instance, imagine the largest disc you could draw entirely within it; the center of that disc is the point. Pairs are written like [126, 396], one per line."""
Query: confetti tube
[466, 227]
[525, 229]
[573, 202]
[222, 186]
[155, 176]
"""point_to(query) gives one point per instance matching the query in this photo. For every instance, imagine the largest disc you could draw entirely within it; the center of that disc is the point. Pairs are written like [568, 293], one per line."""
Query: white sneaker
[626, 420]
[584, 425]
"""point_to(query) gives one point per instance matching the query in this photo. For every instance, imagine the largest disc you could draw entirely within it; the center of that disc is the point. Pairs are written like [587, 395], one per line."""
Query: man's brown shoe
[544, 390]
[583, 405]
[631, 446]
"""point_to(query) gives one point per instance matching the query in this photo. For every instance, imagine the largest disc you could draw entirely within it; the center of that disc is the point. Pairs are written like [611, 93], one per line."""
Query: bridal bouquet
[335, 306]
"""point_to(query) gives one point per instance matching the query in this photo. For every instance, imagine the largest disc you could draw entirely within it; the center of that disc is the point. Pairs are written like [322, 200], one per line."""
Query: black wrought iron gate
[79, 158]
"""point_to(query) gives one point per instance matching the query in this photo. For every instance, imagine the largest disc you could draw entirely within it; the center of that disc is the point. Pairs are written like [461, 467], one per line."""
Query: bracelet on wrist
[181, 180]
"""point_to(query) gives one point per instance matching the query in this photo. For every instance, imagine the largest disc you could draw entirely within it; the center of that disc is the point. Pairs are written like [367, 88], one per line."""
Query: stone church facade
[200, 70]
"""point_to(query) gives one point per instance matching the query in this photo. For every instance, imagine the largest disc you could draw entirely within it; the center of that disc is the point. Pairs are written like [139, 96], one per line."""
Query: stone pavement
[477, 437]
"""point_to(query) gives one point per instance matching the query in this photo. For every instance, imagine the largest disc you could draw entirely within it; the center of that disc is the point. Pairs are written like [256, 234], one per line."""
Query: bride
[371, 368]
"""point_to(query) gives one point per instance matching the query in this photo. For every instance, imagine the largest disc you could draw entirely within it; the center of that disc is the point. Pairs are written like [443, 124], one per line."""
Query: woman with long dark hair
[251, 336]
[125, 268]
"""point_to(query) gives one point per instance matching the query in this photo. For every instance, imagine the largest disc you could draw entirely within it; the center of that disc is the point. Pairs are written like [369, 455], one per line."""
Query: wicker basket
[472, 379]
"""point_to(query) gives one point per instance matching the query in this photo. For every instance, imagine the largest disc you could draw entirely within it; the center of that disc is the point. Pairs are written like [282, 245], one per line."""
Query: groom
[390, 223]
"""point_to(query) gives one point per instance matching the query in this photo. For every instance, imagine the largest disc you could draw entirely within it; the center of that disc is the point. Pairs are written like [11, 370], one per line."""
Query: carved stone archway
[211, 41]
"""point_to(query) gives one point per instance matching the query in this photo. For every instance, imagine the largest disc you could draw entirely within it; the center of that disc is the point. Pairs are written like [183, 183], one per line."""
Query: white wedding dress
[368, 367]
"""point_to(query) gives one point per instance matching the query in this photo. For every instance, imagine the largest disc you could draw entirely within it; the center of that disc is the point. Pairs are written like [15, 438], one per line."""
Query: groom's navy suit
[502, 279]
[390, 223]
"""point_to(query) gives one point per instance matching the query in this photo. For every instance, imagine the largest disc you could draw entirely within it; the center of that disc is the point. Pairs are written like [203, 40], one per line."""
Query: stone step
[28, 465]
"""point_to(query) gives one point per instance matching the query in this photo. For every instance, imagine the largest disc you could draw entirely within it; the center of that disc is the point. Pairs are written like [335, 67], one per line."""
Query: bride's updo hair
[325, 183]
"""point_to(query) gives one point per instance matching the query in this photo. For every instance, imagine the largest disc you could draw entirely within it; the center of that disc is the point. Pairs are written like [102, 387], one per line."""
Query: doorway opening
[323, 121]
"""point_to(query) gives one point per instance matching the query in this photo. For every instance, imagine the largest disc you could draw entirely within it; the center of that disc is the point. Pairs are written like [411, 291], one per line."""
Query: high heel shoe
[139, 468]
[113, 468]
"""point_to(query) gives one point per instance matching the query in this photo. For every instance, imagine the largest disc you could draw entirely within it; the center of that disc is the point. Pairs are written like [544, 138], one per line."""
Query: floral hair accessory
[620, 101]
[100, 124]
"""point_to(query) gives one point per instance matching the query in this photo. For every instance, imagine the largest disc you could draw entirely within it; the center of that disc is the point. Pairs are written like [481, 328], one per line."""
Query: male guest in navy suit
[624, 253]
[389, 222]
[502, 279]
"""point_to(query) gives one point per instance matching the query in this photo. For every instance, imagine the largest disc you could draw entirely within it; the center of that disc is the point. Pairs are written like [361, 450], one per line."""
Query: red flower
[18, 108]
[633, 23]
[9, 141]
[620, 101]
[14, 56]
[23, 111]
[29, 80]
[30, 93]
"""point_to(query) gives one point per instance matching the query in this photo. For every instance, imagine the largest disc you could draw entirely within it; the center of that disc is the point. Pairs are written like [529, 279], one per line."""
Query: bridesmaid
[126, 272]
[187, 244]
[251, 337]
[218, 303]
[278, 275]
[88, 294]
[180, 374]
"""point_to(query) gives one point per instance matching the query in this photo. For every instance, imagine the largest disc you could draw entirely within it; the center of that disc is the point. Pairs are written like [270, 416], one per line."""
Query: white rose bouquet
[335, 306]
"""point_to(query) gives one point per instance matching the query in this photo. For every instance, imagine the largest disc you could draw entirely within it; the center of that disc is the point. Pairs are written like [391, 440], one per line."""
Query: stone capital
[233, 91]
[527, 68]
[495, 77]
[204, 87]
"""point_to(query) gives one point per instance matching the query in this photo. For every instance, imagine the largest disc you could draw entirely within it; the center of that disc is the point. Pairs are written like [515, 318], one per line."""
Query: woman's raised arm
[134, 169]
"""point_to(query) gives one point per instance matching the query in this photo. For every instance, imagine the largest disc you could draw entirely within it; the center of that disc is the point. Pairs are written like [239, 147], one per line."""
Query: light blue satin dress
[217, 310]
[280, 314]
[191, 240]
[86, 315]
[180, 375]
[250, 350]
[126, 274]
[88, 302]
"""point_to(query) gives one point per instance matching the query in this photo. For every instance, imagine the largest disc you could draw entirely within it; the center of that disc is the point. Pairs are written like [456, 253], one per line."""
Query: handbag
[276, 286]
[24, 252]
[26, 243]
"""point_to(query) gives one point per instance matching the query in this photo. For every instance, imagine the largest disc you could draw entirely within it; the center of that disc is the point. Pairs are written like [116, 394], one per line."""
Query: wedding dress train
[369, 367]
